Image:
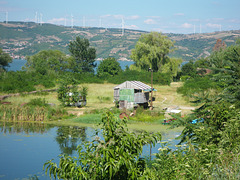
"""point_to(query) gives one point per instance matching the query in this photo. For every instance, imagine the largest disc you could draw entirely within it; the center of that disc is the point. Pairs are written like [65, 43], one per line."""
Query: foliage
[108, 67]
[143, 115]
[115, 157]
[22, 81]
[5, 59]
[172, 67]
[38, 102]
[215, 116]
[220, 45]
[83, 55]
[163, 78]
[189, 69]
[143, 76]
[213, 140]
[46, 61]
[69, 94]
[198, 86]
[151, 51]
[202, 63]
[226, 67]
[36, 112]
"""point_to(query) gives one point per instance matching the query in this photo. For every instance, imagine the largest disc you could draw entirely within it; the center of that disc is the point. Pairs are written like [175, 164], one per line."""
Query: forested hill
[28, 38]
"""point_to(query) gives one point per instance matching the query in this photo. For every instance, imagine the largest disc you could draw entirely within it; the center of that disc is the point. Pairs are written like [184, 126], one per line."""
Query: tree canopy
[83, 55]
[5, 59]
[47, 60]
[189, 69]
[108, 67]
[151, 51]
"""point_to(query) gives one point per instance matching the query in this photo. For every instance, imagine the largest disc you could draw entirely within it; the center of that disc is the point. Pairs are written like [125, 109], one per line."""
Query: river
[17, 64]
[25, 147]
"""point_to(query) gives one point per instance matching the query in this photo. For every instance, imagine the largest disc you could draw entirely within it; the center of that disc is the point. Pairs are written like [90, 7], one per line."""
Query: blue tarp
[197, 120]
[149, 90]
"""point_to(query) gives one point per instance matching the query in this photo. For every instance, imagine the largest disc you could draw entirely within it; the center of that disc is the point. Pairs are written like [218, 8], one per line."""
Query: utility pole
[151, 104]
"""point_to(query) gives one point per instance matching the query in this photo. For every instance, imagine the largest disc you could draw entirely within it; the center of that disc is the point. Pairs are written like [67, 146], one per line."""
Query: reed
[29, 113]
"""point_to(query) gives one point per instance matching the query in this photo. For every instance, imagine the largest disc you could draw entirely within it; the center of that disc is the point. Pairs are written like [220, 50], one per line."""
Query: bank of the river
[26, 146]
[100, 100]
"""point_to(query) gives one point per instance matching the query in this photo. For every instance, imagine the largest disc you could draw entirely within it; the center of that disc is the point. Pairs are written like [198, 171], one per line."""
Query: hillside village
[22, 39]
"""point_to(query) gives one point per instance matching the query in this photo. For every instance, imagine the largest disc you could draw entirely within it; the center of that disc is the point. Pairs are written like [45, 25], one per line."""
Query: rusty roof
[133, 85]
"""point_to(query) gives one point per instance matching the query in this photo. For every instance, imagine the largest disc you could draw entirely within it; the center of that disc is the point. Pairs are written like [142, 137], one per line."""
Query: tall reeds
[28, 113]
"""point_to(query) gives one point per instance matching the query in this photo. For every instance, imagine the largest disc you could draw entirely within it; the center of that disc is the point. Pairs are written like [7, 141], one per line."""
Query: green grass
[99, 100]
[88, 119]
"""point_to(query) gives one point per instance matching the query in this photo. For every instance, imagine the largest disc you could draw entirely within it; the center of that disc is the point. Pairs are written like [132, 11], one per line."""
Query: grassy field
[100, 98]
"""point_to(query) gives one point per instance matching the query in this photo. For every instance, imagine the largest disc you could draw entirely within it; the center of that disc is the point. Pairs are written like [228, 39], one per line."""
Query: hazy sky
[176, 16]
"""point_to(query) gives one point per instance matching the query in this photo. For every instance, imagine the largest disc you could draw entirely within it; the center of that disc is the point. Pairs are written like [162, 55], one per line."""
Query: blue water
[17, 64]
[24, 151]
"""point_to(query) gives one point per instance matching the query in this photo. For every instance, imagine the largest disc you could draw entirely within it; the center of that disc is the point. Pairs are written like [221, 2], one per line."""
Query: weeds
[30, 113]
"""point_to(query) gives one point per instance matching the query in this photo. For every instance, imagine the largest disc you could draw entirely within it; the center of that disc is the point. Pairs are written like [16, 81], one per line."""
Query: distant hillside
[24, 39]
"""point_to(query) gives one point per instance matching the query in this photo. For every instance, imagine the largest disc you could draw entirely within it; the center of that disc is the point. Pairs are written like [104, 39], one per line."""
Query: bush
[117, 156]
[22, 81]
[38, 102]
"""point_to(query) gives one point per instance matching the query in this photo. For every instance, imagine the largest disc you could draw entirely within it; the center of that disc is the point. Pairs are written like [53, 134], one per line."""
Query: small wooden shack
[131, 94]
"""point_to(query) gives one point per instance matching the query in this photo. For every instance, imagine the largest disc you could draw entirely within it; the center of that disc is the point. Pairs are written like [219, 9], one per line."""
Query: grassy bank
[100, 100]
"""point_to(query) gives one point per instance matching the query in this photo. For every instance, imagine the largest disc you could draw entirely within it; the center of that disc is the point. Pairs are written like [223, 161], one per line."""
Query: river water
[25, 147]
[17, 64]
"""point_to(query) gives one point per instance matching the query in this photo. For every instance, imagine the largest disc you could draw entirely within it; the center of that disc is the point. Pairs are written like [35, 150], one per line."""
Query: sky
[166, 16]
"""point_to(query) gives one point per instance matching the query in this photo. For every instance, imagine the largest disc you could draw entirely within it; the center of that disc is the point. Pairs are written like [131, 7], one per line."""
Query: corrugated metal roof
[133, 84]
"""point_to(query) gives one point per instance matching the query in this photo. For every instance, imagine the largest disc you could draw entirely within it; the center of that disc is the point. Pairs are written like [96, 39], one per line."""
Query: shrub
[115, 157]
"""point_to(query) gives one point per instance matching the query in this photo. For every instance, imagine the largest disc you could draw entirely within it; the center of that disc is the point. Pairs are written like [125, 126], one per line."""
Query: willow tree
[151, 51]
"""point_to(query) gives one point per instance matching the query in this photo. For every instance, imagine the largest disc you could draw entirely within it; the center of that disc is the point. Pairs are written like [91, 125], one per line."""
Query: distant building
[132, 93]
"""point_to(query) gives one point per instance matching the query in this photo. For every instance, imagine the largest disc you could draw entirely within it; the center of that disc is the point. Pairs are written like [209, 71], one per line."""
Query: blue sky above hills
[172, 16]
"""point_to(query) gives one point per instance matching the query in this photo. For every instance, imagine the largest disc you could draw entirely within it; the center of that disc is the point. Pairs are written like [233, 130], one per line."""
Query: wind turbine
[6, 17]
[36, 17]
[84, 21]
[100, 22]
[71, 20]
[122, 26]
[41, 15]
[65, 21]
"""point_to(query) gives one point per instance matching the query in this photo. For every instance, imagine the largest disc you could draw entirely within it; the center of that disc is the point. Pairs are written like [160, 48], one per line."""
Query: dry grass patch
[167, 96]
[49, 97]
[100, 96]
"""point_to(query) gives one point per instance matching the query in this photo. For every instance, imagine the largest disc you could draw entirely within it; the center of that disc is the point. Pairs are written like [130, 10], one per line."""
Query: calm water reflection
[25, 147]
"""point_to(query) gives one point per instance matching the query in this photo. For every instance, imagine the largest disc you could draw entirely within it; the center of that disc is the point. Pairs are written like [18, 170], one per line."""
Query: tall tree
[108, 67]
[83, 55]
[189, 69]
[5, 59]
[47, 60]
[151, 51]
[220, 45]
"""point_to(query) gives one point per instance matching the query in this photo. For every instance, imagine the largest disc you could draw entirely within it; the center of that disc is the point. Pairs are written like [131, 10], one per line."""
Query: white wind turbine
[122, 26]
[71, 20]
[6, 17]
[84, 21]
[41, 15]
[36, 17]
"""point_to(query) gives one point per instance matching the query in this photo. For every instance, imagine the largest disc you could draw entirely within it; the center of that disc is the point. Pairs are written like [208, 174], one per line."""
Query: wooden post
[151, 104]
[151, 89]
